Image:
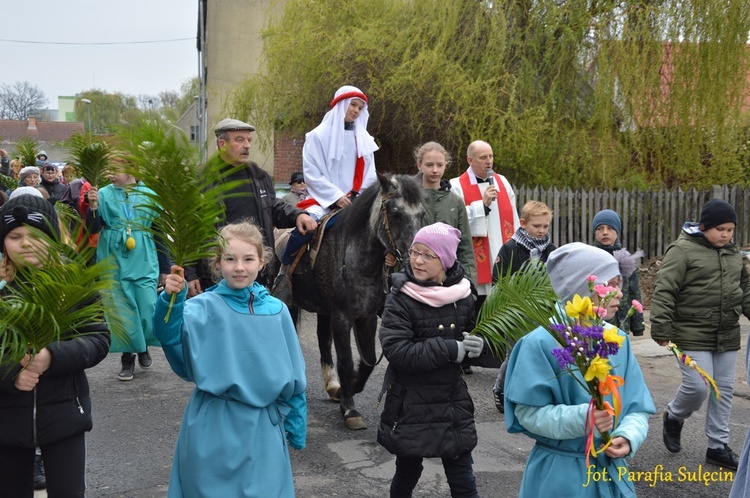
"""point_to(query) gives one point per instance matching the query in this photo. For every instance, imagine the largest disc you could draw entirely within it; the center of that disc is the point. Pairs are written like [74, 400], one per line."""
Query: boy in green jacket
[701, 289]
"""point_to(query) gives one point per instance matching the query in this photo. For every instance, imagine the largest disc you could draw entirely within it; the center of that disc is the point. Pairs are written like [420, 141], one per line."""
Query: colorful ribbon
[688, 361]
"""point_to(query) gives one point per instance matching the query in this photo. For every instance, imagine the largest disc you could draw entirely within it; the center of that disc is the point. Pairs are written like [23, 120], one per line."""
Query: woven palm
[44, 305]
[90, 156]
[517, 304]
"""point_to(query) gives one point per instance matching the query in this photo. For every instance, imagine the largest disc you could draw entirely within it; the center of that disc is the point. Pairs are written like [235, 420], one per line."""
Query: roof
[43, 131]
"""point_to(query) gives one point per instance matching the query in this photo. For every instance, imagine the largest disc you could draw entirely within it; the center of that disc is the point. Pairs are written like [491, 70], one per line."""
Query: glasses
[426, 257]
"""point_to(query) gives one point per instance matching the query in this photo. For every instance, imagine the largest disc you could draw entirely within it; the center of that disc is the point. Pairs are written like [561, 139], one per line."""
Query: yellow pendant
[130, 243]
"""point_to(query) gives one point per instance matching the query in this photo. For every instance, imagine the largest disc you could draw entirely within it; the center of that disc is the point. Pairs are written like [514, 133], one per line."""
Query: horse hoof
[334, 393]
[355, 423]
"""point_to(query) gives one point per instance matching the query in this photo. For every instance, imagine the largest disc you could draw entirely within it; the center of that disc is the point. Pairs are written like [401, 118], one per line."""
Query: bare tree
[20, 100]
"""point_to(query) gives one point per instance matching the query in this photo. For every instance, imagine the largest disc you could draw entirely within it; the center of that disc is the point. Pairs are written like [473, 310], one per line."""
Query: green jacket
[700, 293]
[443, 205]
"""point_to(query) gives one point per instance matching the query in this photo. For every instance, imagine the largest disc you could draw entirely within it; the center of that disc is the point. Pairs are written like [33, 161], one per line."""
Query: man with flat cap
[257, 201]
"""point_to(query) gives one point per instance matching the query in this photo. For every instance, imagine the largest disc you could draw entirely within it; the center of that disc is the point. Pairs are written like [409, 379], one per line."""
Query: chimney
[32, 124]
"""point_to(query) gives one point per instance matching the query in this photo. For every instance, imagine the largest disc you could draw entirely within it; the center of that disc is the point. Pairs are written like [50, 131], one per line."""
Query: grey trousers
[693, 391]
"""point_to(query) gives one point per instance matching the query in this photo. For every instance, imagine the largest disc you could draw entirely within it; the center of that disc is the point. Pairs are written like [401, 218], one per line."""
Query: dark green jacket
[700, 293]
[445, 206]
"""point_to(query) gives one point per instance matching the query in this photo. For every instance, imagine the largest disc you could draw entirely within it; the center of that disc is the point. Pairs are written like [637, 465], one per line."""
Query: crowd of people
[249, 399]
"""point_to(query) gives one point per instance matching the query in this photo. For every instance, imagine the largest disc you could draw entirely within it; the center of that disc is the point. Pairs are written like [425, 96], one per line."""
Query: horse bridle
[393, 249]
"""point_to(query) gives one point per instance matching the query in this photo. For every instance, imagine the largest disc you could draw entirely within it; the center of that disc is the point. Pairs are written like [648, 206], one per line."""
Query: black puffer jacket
[63, 404]
[428, 411]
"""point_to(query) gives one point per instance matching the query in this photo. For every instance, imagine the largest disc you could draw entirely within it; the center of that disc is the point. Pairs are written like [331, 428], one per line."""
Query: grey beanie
[569, 265]
[609, 218]
[26, 171]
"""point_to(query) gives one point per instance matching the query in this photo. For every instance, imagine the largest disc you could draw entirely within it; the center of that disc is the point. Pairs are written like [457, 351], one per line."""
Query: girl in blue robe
[121, 213]
[238, 345]
[550, 406]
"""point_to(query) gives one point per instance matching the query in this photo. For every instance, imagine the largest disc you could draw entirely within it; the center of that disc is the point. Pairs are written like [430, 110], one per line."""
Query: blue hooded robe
[557, 465]
[241, 349]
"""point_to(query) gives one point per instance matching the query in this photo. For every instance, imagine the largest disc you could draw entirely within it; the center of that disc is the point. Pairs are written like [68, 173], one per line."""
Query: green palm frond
[43, 305]
[8, 183]
[190, 203]
[90, 156]
[517, 304]
[27, 149]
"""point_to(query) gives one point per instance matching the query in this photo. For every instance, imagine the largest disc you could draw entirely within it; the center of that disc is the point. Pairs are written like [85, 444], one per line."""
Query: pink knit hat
[442, 239]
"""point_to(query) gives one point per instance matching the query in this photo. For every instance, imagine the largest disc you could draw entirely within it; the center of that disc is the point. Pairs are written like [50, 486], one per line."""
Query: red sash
[481, 245]
[359, 176]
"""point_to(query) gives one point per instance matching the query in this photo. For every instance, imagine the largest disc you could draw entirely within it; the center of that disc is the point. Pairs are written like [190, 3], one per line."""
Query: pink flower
[591, 278]
[638, 306]
[603, 290]
[601, 312]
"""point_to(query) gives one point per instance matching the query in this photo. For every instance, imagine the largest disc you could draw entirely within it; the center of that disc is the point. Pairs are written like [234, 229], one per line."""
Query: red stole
[484, 259]
[359, 176]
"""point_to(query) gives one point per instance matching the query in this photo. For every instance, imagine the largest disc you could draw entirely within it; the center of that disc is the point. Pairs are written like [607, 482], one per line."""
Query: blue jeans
[295, 243]
[459, 472]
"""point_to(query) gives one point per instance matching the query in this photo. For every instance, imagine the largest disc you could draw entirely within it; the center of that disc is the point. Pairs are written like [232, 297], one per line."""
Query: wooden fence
[650, 219]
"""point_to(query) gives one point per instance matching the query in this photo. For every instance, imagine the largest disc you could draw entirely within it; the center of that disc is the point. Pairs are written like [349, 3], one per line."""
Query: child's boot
[128, 366]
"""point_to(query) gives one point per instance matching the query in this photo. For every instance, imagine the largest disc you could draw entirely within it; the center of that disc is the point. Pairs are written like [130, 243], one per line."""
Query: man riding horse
[338, 163]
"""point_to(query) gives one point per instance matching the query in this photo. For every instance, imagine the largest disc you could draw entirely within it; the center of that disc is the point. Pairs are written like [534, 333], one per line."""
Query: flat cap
[229, 124]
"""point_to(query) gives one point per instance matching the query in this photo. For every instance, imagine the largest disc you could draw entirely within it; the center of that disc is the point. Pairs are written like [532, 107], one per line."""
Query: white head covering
[25, 191]
[331, 129]
[569, 265]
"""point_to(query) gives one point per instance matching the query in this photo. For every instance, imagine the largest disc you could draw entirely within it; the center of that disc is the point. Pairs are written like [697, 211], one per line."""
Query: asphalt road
[136, 424]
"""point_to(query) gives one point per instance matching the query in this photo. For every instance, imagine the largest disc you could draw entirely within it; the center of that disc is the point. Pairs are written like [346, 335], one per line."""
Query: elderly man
[257, 200]
[491, 208]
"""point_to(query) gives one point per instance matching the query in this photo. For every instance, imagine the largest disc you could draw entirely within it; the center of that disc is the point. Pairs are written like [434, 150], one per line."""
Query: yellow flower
[599, 368]
[580, 307]
[611, 335]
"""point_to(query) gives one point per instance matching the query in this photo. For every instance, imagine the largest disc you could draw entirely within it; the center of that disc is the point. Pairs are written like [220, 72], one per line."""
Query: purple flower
[564, 357]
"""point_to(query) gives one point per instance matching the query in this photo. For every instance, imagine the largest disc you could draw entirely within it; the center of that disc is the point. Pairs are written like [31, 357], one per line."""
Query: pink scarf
[437, 296]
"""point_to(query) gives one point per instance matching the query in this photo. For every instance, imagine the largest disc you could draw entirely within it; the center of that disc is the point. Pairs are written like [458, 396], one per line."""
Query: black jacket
[63, 404]
[428, 411]
[56, 189]
[514, 255]
[273, 212]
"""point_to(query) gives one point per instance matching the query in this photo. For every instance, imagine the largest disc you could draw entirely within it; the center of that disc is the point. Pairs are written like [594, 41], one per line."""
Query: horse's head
[396, 214]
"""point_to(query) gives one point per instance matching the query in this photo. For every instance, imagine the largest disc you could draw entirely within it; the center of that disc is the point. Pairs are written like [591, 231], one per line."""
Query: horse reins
[387, 270]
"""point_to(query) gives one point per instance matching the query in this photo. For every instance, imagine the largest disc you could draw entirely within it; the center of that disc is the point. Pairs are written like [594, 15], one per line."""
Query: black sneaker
[40, 480]
[723, 457]
[128, 367]
[467, 369]
[144, 360]
[499, 400]
[671, 433]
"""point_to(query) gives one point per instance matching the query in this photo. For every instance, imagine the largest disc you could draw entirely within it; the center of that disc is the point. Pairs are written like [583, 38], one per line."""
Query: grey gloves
[471, 345]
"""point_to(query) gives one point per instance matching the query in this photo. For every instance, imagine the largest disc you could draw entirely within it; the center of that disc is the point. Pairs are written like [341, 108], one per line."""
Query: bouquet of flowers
[586, 343]
[525, 300]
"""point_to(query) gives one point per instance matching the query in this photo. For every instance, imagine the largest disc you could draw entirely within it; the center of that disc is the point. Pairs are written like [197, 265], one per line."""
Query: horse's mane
[357, 216]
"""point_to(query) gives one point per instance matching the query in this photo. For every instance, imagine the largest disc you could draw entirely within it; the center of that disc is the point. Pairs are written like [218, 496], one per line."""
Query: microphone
[491, 178]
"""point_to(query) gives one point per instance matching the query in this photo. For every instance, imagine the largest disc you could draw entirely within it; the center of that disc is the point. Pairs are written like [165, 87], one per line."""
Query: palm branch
[90, 156]
[26, 149]
[189, 202]
[43, 305]
[8, 183]
[517, 304]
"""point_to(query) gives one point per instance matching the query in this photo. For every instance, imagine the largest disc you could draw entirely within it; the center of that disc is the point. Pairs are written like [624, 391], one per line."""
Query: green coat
[445, 206]
[700, 293]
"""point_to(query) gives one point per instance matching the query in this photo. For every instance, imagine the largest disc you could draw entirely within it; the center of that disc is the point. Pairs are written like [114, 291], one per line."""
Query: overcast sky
[61, 69]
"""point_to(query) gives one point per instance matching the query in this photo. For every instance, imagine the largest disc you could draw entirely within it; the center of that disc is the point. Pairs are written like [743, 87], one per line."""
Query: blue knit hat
[609, 218]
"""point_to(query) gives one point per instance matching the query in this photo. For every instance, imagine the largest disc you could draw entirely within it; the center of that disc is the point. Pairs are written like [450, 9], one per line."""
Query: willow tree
[592, 93]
